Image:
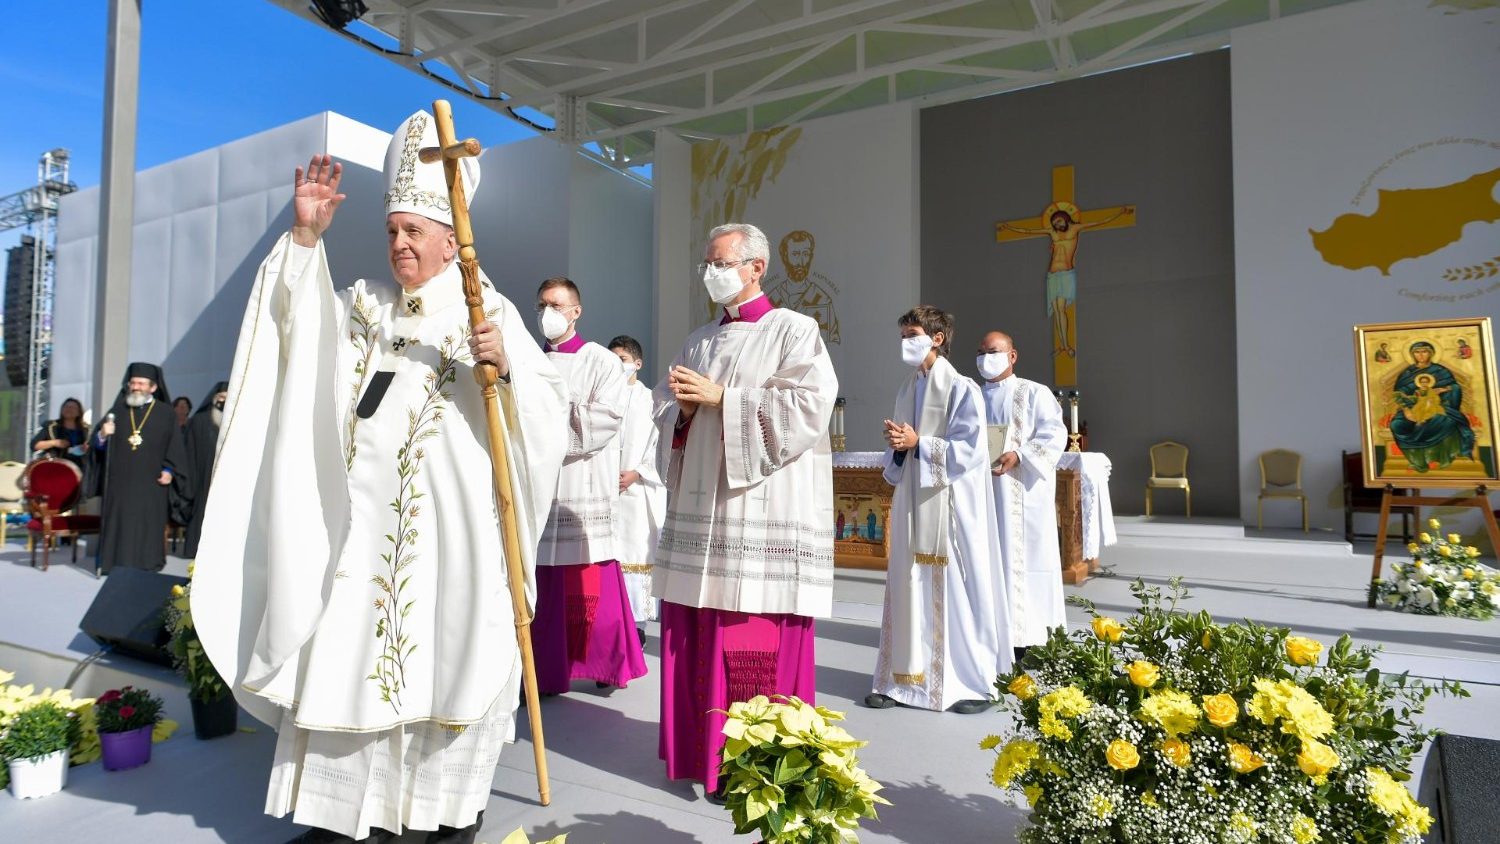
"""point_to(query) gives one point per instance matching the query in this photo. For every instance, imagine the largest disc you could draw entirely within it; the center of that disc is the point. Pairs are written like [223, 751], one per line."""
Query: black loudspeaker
[127, 614]
[1461, 786]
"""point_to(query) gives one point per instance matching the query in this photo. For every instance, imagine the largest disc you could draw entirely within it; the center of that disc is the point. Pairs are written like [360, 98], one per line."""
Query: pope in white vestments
[945, 633]
[643, 499]
[745, 561]
[1029, 419]
[351, 579]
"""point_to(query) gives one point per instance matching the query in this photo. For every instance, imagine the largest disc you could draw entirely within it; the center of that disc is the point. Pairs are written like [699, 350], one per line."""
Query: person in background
[138, 466]
[643, 498]
[65, 437]
[183, 408]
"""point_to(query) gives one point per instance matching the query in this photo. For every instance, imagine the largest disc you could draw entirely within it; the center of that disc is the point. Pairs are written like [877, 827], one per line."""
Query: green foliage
[792, 774]
[519, 837]
[204, 682]
[39, 731]
[125, 709]
[1444, 577]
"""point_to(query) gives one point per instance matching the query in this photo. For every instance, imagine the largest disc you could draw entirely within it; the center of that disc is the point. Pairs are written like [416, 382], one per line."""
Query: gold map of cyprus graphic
[1408, 223]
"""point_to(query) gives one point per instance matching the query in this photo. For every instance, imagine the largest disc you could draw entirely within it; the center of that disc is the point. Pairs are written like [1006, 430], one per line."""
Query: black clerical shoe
[452, 835]
[642, 632]
[876, 700]
[971, 707]
[718, 796]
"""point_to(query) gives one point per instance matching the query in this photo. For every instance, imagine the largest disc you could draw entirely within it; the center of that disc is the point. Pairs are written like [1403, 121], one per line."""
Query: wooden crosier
[1390, 499]
[449, 151]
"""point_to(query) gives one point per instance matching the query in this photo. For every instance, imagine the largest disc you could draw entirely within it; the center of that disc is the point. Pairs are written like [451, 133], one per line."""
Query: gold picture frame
[1428, 403]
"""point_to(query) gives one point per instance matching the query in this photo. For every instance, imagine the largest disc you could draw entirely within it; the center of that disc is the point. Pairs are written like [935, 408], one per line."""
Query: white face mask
[992, 364]
[723, 284]
[553, 323]
[914, 349]
[629, 366]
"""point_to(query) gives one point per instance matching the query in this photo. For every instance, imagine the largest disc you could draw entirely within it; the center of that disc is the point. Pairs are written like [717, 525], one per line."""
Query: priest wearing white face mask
[643, 499]
[745, 561]
[1026, 416]
[944, 635]
[584, 628]
[351, 578]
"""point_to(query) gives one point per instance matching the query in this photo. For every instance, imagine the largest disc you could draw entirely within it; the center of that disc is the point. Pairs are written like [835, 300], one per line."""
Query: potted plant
[125, 718]
[215, 712]
[35, 748]
[1217, 732]
[792, 775]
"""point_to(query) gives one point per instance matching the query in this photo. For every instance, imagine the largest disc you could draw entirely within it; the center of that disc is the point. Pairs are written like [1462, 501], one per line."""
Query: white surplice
[351, 580]
[944, 636]
[581, 526]
[1026, 504]
[749, 523]
[643, 504]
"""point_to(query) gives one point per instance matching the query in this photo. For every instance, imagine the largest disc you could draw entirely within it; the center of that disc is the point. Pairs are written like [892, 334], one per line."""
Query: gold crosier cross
[1062, 279]
[449, 150]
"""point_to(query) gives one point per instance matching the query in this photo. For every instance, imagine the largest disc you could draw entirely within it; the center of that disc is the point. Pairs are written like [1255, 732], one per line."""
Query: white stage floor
[608, 785]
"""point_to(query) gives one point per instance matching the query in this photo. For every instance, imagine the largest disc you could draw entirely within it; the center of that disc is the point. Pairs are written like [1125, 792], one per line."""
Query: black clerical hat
[208, 400]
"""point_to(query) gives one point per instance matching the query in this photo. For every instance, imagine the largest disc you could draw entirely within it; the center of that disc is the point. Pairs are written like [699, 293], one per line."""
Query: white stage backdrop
[205, 222]
[1330, 108]
[837, 198]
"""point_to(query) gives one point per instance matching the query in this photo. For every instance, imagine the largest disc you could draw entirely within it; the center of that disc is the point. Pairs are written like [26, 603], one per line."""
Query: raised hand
[315, 198]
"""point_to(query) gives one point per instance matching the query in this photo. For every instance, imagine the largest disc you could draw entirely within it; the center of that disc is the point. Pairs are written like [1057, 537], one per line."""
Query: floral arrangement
[1444, 577]
[39, 731]
[127, 708]
[1220, 733]
[792, 775]
[17, 699]
[204, 683]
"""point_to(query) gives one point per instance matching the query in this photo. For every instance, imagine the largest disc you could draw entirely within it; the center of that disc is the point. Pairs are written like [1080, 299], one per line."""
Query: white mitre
[421, 188]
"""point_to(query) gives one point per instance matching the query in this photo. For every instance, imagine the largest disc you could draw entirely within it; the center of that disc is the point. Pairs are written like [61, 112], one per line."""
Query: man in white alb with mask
[1026, 418]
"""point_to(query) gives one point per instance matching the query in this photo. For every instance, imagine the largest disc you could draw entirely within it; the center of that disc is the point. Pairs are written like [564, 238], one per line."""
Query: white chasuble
[351, 580]
[643, 504]
[749, 523]
[945, 632]
[1026, 504]
[581, 525]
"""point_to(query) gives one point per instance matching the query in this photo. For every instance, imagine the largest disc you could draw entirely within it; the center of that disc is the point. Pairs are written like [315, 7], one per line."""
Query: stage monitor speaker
[1461, 787]
[128, 614]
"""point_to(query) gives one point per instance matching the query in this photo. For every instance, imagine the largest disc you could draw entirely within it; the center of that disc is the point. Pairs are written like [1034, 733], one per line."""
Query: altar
[1085, 517]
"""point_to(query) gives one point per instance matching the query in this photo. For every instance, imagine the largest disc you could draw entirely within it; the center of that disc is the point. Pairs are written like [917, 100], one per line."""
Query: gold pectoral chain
[135, 430]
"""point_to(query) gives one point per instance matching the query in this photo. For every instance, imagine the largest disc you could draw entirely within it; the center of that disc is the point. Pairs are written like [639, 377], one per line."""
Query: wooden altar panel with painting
[862, 514]
[1428, 403]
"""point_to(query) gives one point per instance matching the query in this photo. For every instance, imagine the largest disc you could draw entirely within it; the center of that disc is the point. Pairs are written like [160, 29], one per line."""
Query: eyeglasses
[722, 265]
[541, 309]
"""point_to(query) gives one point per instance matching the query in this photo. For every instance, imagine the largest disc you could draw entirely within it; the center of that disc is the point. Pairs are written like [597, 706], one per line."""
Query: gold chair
[1169, 471]
[12, 497]
[1280, 477]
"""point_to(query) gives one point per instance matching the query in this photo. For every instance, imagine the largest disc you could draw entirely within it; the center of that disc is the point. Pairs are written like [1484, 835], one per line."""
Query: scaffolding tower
[35, 208]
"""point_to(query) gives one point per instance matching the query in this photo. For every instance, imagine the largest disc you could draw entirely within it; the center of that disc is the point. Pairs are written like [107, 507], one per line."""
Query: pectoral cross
[135, 441]
[1061, 222]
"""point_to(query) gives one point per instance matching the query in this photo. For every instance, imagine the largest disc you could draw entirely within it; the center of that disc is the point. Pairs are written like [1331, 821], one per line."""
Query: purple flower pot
[123, 751]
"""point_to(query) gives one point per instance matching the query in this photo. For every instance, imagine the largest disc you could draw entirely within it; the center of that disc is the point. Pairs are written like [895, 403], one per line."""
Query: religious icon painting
[1428, 403]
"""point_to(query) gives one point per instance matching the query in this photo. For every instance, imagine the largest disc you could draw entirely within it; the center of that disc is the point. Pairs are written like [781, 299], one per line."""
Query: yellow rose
[1121, 755]
[1242, 759]
[1445, 550]
[1473, 552]
[1023, 687]
[178, 591]
[1425, 537]
[1317, 758]
[1107, 629]
[1413, 547]
[1468, 574]
[1143, 673]
[1222, 710]
[1177, 752]
[1455, 538]
[1434, 524]
[1303, 651]
[1207, 640]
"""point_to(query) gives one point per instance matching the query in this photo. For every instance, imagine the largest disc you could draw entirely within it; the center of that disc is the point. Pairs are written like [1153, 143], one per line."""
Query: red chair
[53, 488]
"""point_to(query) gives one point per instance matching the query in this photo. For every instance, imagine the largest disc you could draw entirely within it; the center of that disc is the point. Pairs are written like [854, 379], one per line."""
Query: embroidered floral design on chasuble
[362, 330]
[404, 190]
[422, 424]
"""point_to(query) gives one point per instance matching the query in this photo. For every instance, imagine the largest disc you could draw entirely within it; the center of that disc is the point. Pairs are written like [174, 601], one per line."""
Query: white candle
[1075, 416]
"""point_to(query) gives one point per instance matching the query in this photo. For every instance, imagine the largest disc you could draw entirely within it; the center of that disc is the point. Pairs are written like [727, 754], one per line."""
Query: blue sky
[211, 71]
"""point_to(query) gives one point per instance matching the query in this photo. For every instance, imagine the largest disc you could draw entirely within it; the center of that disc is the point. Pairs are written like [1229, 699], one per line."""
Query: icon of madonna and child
[1429, 424]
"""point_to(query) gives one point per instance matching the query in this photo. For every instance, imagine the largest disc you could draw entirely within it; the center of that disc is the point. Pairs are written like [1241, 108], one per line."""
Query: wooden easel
[1479, 499]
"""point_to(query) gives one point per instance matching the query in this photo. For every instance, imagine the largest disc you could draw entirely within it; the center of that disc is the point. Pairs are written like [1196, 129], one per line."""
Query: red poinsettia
[126, 709]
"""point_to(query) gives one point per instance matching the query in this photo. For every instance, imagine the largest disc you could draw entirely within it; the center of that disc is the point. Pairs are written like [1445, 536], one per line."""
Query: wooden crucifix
[1061, 223]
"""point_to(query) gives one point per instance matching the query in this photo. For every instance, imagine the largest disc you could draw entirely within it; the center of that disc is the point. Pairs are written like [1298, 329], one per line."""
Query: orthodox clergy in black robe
[140, 458]
[202, 441]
